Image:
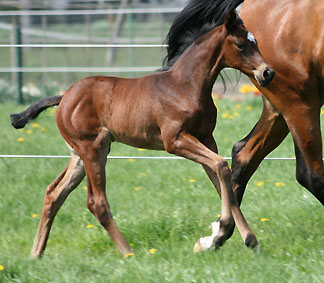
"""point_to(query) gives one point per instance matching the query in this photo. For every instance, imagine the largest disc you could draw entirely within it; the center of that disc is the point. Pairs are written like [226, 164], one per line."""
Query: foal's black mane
[197, 18]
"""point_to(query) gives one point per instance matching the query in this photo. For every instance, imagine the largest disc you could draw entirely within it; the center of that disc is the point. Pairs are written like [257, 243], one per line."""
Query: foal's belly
[139, 133]
[140, 141]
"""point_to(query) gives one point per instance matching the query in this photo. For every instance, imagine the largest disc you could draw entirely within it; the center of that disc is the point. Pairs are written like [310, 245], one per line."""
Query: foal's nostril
[267, 74]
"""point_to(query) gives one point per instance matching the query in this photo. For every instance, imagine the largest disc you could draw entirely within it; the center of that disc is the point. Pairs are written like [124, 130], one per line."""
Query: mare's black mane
[196, 19]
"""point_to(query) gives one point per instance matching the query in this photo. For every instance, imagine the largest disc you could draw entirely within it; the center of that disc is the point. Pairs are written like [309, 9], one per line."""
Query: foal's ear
[230, 18]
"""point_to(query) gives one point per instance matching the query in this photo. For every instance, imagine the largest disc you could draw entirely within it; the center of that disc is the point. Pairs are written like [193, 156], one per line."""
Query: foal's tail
[19, 120]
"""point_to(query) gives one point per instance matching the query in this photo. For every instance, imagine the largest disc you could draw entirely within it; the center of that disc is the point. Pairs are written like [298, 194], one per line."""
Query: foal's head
[240, 51]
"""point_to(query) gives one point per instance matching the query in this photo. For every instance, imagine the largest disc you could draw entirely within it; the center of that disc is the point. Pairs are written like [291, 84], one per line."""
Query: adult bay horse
[170, 110]
[290, 36]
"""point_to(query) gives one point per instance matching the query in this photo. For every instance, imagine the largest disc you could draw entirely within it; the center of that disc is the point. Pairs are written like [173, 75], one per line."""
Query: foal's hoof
[203, 244]
[207, 243]
[252, 242]
[197, 247]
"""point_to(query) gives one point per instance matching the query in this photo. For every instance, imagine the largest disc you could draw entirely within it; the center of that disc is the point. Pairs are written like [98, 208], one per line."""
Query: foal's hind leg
[55, 196]
[94, 161]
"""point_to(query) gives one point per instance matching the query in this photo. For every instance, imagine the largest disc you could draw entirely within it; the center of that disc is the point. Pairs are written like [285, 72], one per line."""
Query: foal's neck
[200, 65]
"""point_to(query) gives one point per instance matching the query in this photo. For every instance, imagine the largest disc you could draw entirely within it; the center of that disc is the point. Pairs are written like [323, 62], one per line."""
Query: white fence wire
[131, 157]
[95, 69]
[92, 12]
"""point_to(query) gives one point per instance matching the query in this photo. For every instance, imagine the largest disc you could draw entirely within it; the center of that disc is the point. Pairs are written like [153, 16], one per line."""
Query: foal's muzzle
[264, 75]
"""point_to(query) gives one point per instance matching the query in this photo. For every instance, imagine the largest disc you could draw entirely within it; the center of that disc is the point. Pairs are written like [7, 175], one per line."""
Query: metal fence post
[19, 63]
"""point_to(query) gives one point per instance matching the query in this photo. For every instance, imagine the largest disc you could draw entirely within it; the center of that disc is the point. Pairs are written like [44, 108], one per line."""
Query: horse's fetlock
[226, 223]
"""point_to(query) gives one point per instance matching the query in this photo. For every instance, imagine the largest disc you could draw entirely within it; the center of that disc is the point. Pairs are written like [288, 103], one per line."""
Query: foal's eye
[240, 45]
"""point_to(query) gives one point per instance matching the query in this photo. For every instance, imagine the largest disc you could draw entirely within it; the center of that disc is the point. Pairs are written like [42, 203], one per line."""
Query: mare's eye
[240, 45]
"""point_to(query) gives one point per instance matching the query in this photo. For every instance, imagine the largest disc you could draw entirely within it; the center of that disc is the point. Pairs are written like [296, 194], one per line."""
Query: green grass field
[162, 207]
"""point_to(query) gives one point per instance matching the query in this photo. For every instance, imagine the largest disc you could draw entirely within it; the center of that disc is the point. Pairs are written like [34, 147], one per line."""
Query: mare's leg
[247, 154]
[304, 125]
[189, 147]
[95, 157]
[302, 120]
[55, 196]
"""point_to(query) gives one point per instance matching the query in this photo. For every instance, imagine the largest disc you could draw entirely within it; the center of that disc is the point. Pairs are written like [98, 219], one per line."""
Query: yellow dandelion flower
[85, 188]
[248, 107]
[224, 115]
[260, 184]
[322, 112]
[238, 106]
[246, 88]
[141, 149]
[131, 160]
[152, 251]
[20, 139]
[235, 114]
[2, 267]
[34, 215]
[35, 125]
[231, 117]
[279, 184]
[143, 174]
[29, 131]
[90, 226]
[128, 255]
[218, 215]
[264, 219]
[192, 181]
[138, 188]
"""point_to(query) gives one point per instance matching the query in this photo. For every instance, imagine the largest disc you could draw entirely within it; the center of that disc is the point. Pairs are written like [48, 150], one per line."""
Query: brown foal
[171, 110]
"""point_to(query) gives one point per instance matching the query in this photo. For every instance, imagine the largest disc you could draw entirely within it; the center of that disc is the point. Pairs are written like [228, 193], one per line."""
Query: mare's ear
[230, 18]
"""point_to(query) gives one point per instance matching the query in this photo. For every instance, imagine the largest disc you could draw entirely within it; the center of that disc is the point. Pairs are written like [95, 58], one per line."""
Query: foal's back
[114, 105]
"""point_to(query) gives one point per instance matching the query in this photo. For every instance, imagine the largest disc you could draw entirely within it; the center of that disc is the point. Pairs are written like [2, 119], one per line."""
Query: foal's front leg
[244, 229]
[187, 146]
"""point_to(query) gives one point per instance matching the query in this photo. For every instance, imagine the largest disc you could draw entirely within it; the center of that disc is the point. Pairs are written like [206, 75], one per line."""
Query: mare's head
[240, 51]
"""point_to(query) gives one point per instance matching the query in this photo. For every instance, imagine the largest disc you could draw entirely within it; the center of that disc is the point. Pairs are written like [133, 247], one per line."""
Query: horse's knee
[238, 147]
[239, 169]
[222, 169]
